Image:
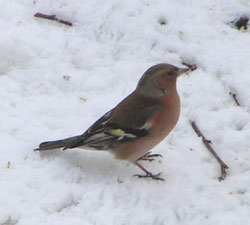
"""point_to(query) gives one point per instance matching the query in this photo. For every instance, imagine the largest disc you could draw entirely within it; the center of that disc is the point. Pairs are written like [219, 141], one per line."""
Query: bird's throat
[166, 91]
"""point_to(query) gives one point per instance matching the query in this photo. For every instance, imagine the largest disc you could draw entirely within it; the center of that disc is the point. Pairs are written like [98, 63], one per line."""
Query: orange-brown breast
[162, 122]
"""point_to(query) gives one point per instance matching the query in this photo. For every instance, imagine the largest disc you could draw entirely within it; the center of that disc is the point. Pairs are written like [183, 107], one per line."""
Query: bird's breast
[165, 119]
[161, 124]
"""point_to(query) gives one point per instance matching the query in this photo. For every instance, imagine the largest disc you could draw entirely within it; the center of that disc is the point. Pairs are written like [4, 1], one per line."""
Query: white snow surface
[57, 80]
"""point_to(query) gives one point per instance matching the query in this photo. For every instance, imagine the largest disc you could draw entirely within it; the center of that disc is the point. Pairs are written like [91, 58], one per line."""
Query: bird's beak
[183, 70]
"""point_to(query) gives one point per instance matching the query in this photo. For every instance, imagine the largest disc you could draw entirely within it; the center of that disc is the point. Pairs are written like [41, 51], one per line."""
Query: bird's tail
[71, 142]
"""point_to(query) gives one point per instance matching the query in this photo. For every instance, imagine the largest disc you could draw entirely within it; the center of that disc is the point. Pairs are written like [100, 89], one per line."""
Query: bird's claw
[149, 157]
[150, 175]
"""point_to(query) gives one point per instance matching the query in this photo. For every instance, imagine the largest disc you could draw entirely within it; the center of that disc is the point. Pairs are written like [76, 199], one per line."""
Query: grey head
[160, 79]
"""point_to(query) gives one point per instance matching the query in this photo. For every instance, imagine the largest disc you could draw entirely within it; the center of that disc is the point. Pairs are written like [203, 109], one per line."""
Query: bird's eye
[171, 73]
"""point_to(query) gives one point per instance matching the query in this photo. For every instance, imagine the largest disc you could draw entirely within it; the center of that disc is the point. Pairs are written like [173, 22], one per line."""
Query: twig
[212, 151]
[190, 66]
[242, 22]
[53, 17]
[235, 98]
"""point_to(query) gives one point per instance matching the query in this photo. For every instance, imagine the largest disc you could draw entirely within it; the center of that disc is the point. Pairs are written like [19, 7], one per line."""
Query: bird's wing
[106, 133]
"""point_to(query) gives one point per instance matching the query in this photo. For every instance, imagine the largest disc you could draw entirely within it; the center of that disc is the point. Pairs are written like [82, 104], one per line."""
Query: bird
[137, 124]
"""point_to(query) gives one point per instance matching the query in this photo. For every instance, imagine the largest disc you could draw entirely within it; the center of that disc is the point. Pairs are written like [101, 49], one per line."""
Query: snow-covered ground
[55, 81]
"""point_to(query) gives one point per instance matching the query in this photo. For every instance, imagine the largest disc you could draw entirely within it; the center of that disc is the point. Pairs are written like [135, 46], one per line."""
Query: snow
[57, 80]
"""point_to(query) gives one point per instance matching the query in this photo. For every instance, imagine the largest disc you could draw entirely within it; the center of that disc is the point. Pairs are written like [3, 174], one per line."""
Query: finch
[137, 124]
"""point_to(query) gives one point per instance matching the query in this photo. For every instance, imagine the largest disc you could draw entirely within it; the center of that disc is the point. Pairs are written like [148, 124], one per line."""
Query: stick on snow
[53, 17]
[207, 143]
[235, 98]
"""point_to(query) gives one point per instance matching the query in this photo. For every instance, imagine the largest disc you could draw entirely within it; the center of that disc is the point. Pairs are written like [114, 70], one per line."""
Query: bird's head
[160, 79]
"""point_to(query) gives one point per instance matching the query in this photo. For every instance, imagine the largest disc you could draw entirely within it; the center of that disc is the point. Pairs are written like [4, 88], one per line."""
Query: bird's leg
[148, 174]
[149, 157]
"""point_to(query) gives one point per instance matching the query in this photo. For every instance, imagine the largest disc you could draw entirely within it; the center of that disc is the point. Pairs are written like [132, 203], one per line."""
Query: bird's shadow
[95, 165]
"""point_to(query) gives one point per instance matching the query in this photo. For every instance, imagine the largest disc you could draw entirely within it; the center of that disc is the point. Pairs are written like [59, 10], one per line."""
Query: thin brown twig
[53, 17]
[235, 98]
[190, 66]
[242, 22]
[207, 143]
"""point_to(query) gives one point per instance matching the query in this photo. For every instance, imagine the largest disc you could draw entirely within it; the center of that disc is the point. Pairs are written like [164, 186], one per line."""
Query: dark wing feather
[126, 122]
[105, 134]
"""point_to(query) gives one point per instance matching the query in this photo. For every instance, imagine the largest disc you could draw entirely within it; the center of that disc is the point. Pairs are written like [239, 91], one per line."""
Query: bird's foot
[150, 175]
[149, 157]
[147, 173]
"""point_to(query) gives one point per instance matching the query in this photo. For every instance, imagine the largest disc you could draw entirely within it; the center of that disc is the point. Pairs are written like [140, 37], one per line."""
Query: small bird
[137, 124]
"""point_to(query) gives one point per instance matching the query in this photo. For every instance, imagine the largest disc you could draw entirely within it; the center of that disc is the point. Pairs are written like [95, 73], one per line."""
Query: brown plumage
[136, 124]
